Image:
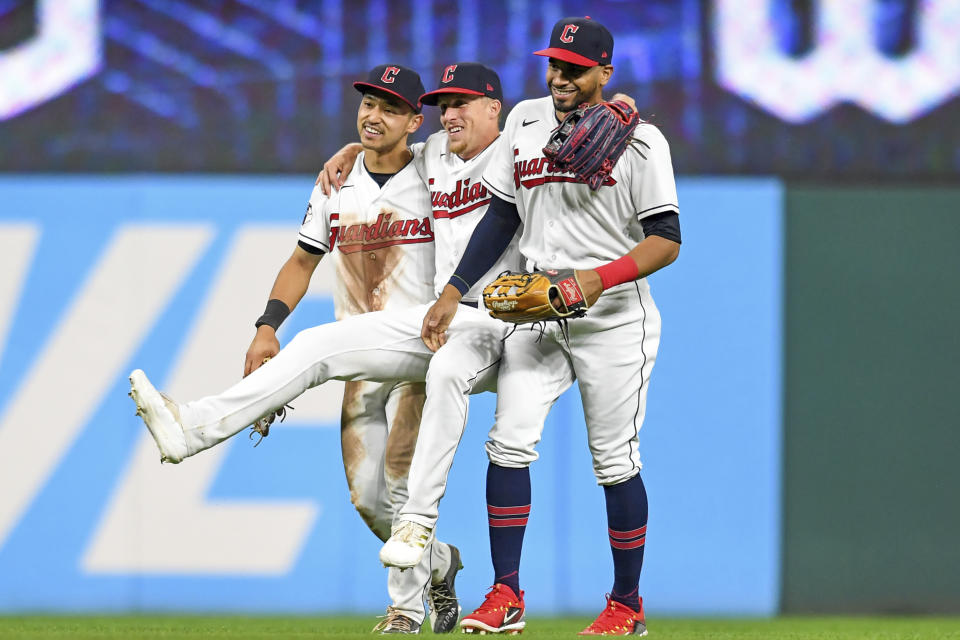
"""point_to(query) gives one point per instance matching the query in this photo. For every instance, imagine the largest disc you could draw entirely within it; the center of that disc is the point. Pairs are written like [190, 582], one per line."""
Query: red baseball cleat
[501, 612]
[617, 619]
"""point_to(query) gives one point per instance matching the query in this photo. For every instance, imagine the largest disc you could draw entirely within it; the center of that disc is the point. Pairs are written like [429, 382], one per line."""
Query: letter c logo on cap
[389, 75]
[568, 31]
[448, 73]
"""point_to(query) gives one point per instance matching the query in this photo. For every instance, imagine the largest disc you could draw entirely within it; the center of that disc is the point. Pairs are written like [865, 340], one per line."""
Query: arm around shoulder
[336, 169]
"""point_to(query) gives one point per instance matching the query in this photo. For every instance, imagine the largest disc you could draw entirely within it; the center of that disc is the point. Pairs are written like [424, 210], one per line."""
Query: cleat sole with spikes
[160, 421]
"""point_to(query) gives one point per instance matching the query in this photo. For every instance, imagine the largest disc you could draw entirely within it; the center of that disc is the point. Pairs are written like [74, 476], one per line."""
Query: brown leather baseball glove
[523, 298]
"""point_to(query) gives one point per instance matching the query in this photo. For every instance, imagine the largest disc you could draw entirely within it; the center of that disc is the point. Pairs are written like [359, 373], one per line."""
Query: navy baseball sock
[508, 507]
[627, 522]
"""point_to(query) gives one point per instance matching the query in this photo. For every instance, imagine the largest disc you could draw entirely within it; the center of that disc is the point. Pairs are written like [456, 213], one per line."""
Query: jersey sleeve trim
[660, 208]
[500, 194]
[313, 242]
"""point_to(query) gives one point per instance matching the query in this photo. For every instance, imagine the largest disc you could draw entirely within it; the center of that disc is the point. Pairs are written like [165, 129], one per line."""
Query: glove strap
[564, 283]
[623, 269]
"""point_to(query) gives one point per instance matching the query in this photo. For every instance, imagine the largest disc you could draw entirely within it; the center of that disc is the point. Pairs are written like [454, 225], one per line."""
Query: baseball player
[614, 237]
[376, 270]
[382, 345]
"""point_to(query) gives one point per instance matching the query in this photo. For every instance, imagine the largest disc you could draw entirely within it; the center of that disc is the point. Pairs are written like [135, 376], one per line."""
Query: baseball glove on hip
[591, 139]
[523, 298]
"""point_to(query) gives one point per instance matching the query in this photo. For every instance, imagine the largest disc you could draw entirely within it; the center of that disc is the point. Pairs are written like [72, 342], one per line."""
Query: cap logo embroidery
[389, 75]
[489, 87]
[568, 31]
[448, 73]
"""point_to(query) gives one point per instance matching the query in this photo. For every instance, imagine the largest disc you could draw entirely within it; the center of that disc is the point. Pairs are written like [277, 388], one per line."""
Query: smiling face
[571, 85]
[471, 122]
[385, 121]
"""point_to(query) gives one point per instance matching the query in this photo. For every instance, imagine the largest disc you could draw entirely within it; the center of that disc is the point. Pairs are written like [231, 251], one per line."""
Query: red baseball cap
[580, 41]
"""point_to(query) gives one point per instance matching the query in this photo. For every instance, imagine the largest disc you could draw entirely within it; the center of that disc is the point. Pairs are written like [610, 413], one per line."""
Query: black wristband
[276, 312]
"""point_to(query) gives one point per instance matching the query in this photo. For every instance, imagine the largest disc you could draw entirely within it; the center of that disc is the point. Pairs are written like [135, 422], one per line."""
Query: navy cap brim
[363, 87]
[567, 56]
[431, 97]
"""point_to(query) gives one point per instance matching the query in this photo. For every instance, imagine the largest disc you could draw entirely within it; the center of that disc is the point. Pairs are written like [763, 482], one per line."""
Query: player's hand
[590, 284]
[622, 96]
[264, 346]
[438, 318]
[336, 169]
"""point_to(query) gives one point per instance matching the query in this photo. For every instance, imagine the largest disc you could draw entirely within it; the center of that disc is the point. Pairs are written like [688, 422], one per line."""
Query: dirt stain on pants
[378, 433]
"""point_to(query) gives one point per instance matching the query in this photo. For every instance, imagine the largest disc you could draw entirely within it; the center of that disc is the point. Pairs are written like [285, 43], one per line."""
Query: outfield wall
[857, 441]
[871, 424]
[102, 275]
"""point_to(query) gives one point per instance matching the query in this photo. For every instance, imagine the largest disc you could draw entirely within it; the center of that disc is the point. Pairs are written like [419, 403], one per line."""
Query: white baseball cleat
[406, 545]
[161, 416]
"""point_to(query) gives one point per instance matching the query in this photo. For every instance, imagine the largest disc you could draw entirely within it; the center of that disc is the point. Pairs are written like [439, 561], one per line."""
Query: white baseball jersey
[575, 227]
[384, 240]
[611, 351]
[381, 241]
[459, 200]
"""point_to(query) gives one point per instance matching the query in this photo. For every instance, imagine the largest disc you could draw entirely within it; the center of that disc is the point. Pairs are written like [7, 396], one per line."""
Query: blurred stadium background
[801, 441]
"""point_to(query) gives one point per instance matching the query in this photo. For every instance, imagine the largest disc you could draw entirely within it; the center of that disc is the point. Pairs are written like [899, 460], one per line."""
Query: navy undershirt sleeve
[309, 248]
[666, 225]
[491, 236]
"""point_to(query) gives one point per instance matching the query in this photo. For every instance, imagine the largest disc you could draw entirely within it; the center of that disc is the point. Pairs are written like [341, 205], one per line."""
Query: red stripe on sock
[623, 535]
[508, 511]
[508, 522]
[626, 595]
[627, 545]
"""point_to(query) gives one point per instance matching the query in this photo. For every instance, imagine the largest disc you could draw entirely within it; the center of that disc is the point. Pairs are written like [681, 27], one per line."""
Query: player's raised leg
[379, 346]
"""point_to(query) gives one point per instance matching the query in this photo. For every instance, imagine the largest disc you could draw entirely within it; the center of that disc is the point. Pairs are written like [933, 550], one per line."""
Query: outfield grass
[134, 627]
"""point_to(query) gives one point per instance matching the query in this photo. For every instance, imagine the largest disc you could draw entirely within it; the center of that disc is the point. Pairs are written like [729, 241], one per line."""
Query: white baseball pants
[611, 353]
[381, 346]
[378, 346]
[378, 432]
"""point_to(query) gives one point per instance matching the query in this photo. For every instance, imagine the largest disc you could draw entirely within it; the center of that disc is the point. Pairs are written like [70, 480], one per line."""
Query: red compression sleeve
[621, 270]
